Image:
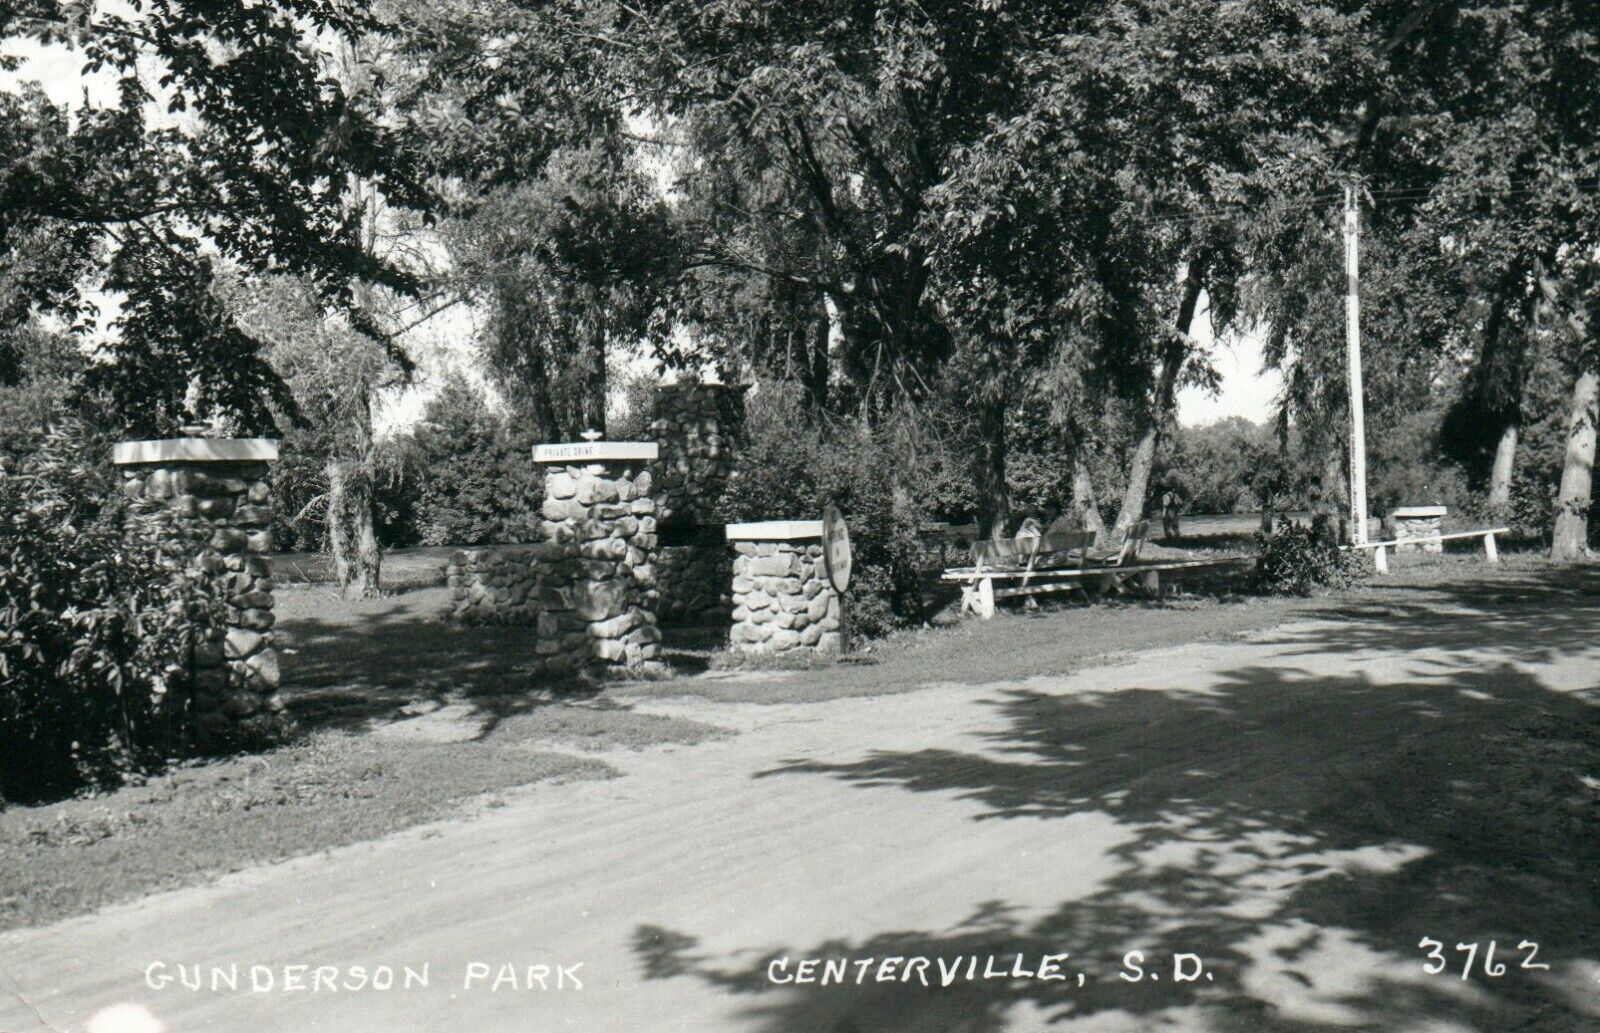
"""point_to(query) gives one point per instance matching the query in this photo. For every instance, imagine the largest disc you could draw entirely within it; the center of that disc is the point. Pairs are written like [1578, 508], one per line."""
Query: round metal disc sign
[836, 548]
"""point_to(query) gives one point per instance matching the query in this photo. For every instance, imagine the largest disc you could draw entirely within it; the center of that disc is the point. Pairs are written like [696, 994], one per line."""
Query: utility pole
[1358, 420]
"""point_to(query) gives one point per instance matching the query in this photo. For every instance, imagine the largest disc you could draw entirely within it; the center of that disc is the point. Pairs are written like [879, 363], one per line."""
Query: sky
[1245, 389]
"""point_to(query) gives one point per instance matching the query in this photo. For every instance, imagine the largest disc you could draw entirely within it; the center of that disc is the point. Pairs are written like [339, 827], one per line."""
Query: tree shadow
[358, 667]
[346, 667]
[1298, 824]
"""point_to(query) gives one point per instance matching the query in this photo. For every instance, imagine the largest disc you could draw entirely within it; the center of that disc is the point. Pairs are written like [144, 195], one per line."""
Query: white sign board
[596, 452]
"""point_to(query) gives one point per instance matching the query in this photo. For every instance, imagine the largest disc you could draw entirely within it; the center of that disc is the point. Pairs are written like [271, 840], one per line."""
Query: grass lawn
[407, 718]
[404, 719]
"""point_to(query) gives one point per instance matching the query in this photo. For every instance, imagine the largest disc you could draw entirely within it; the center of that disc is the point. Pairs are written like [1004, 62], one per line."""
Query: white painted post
[1358, 430]
[1491, 552]
[1380, 559]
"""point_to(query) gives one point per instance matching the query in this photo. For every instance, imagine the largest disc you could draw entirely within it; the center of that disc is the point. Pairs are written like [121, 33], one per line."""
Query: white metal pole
[1358, 428]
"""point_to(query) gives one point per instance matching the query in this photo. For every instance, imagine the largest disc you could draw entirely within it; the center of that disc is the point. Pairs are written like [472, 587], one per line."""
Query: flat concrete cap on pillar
[774, 530]
[1418, 512]
[597, 452]
[196, 450]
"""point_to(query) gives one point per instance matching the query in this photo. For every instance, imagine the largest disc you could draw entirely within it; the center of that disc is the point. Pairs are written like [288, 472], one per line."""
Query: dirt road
[1296, 811]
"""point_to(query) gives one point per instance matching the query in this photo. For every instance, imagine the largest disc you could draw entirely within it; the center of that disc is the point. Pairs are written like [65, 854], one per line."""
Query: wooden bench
[1016, 559]
[1380, 550]
[1043, 564]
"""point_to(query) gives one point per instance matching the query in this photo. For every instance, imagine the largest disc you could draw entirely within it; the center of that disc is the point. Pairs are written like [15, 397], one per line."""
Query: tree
[44, 369]
[573, 266]
[242, 151]
[334, 373]
[1497, 141]
[1148, 139]
[1569, 536]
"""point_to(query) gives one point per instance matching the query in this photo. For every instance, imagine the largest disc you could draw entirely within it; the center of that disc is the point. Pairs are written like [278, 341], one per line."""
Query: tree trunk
[1570, 538]
[1505, 460]
[352, 540]
[1172, 359]
[1334, 498]
[595, 387]
[1084, 506]
[817, 374]
[994, 493]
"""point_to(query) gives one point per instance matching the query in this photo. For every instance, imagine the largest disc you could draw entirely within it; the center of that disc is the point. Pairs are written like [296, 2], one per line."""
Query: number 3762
[1437, 961]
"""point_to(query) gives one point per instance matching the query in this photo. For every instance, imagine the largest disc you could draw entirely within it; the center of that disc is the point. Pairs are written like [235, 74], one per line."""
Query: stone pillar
[782, 599]
[210, 503]
[698, 429]
[596, 585]
[1409, 522]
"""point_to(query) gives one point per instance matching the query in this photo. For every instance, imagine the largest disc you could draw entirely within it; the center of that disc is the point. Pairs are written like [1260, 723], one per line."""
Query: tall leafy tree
[227, 140]
[572, 267]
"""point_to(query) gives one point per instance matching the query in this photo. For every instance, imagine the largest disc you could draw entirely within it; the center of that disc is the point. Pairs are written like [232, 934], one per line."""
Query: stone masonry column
[1410, 522]
[782, 599]
[209, 501]
[698, 429]
[596, 579]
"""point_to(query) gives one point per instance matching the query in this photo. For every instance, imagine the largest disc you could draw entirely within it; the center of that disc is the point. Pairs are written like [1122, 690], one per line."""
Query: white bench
[1380, 550]
[1023, 560]
[978, 591]
[1069, 562]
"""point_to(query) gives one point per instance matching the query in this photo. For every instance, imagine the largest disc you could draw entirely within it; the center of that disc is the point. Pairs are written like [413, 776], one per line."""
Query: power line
[1229, 209]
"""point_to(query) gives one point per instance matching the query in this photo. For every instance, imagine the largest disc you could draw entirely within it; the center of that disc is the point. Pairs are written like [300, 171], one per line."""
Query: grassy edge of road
[346, 780]
[331, 788]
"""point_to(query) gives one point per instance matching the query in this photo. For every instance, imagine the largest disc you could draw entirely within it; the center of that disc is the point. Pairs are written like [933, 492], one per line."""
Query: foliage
[1219, 467]
[1298, 558]
[470, 481]
[224, 133]
[790, 468]
[44, 376]
[570, 268]
[1405, 468]
[91, 627]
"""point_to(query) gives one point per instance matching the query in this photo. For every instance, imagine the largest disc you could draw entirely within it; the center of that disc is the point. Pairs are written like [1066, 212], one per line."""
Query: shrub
[91, 628]
[474, 483]
[1297, 558]
[36, 382]
[299, 491]
[791, 466]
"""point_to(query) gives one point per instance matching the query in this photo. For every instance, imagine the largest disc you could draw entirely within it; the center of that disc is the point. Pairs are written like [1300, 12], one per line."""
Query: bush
[1297, 558]
[473, 483]
[790, 467]
[37, 381]
[91, 628]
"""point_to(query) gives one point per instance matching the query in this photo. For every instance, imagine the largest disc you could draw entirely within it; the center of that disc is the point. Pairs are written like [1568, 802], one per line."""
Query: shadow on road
[1300, 824]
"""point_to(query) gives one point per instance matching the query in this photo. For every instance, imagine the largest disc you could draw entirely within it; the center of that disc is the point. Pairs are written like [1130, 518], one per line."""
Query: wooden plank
[1057, 586]
[1124, 570]
[1452, 536]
